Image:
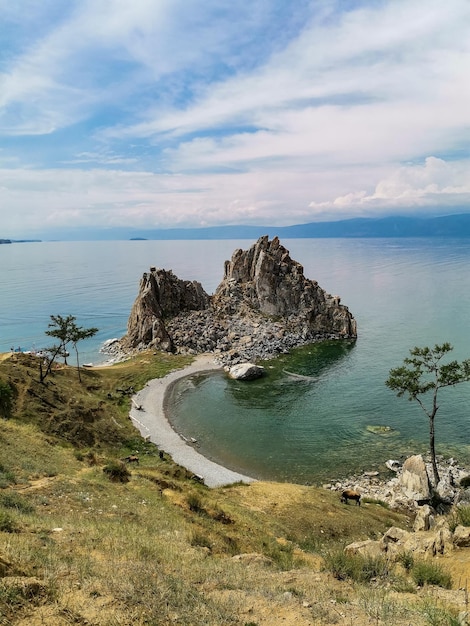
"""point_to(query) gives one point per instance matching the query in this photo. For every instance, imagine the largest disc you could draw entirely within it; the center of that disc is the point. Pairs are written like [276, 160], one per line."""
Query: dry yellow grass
[76, 548]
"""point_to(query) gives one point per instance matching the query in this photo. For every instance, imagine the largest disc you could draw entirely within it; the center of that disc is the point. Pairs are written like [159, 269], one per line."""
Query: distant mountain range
[395, 226]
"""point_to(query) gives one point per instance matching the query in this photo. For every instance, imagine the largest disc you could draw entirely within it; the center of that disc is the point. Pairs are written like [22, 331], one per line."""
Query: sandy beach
[152, 423]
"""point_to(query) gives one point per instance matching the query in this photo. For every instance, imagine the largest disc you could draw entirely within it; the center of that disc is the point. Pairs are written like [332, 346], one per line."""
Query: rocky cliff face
[263, 306]
[265, 280]
[162, 295]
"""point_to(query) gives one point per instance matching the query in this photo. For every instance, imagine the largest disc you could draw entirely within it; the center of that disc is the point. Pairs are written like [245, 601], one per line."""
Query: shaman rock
[264, 306]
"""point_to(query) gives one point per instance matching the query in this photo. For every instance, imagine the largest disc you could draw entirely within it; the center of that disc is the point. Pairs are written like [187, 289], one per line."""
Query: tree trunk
[78, 365]
[433, 451]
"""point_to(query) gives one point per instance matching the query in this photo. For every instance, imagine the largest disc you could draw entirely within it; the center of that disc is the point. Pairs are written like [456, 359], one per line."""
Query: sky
[190, 113]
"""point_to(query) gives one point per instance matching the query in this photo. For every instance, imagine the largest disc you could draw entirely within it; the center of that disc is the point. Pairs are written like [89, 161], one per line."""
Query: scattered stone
[425, 518]
[252, 557]
[393, 465]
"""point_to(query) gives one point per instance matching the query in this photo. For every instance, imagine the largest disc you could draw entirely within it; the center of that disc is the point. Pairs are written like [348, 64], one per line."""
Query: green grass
[356, 567]
[430, 573]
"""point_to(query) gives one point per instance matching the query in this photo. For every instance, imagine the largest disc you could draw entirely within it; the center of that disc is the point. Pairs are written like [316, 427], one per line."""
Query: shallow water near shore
[307, 420]
[313, 428]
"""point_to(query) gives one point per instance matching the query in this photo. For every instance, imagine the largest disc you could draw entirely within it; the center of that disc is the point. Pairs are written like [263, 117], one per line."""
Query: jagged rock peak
[263, 306]
[162, 295]
[265, 279]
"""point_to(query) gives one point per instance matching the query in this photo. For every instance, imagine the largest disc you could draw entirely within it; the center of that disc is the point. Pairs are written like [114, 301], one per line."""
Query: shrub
[406, 559]
[117, 472]
[6, 399]
[465, 482]
[463, 515]
[15, 501]
[200, 540]
[437, 616]
[7, 523]
[194, 502]
[355, 566]
[428, 573]
[6, 477]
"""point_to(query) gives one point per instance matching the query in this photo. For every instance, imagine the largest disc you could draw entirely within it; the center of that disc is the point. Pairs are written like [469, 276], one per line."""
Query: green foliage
[430, 573]
[465, 482]
[15, 501]
[406, 559]
[282, 554]
[117, 472]
[355, 566]
[461, 515]
[6, 399]
[200, 540]
[382, 503]
[66, 331]
[7, 523]
[6, 477]
[195, 502]
[422, 374]
[437, 616]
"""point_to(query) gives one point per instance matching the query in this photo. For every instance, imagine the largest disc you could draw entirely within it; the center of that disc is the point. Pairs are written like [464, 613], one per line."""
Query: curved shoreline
[152, 422]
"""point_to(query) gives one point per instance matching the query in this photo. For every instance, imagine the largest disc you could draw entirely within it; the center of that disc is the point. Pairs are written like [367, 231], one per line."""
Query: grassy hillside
[79, 548]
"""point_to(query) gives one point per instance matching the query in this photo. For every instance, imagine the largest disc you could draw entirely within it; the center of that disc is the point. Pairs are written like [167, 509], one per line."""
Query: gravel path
[152, 422]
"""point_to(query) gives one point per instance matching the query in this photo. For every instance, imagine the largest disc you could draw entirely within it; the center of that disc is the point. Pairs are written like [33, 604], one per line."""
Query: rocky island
[264, 306]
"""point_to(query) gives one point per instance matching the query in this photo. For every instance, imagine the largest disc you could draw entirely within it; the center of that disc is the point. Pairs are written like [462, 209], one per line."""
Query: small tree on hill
[422, 374]
[66, 331]
[77, 333]
[60, 328]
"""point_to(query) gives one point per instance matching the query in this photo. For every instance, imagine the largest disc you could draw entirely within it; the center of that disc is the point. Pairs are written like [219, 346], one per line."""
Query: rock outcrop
[162, 295]
[266, 280]
[263, 306]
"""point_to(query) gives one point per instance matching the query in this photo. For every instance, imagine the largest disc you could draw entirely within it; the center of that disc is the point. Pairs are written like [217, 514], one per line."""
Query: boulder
[424, 519]
[461, 536]
[246, 371]
[368, 548]
[414, 479]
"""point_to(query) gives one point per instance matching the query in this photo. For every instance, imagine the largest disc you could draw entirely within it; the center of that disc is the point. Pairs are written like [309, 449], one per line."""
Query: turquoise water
[314, 429]
[402, 293]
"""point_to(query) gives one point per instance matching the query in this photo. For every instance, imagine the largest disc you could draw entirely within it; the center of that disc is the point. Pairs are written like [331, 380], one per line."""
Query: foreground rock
[246, 371]
[409, 487]
[264, 306]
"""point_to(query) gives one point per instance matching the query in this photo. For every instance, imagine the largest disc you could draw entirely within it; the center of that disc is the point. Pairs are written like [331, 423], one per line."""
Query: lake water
[403, 292]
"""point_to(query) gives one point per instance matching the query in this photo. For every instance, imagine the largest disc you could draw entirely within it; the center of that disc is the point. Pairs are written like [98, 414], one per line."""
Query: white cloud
[182, 112]
[431, 185]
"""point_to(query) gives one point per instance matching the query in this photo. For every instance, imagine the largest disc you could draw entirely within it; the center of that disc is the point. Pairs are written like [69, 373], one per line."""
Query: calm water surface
[402, 292]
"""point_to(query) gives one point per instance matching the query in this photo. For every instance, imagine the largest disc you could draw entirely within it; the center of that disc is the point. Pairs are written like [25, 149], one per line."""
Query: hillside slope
[158, 547]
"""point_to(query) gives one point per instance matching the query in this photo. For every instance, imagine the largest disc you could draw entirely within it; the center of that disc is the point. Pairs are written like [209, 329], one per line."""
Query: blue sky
[167, 113]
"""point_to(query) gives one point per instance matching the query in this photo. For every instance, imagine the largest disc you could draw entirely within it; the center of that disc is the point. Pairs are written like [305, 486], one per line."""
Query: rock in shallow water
[246, 371]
